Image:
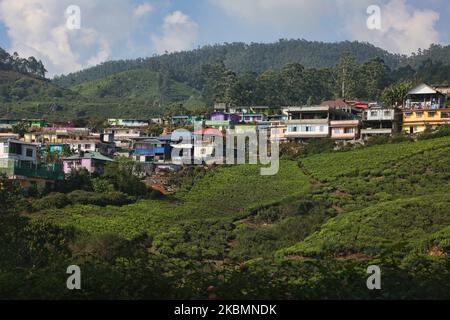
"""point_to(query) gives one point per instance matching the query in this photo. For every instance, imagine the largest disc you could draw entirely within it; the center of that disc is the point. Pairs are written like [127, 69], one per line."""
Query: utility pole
[343, 82]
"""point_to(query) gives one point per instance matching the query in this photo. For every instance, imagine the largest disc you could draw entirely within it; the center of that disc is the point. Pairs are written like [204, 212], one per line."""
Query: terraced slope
[200, 222]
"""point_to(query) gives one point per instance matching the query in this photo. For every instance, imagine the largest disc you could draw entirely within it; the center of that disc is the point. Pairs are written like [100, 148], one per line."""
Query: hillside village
[38, 153]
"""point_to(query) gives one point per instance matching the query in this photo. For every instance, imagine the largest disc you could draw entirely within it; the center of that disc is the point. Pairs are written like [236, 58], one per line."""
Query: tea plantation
[309, 232]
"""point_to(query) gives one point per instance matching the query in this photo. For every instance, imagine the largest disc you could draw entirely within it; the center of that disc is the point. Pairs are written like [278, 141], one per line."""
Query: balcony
[376, 131]
[13, 168]
[305, 134]
[344, 124]
[308, 121]
[379, 115]
[150, 151]
[343, 136]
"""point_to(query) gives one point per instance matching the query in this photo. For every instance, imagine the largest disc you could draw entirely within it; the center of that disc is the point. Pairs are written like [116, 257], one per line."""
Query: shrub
[442, 131]
[53, 200]
[91, 198]
[156, 195]
[377, 140]
[317, 146]
[102, 185]
[291, 150]
[78, 180]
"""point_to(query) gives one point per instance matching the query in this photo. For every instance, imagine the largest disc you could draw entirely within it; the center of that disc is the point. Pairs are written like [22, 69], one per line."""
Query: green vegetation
[222, 196]
[410, 221]
[309, 232]
[285, 73]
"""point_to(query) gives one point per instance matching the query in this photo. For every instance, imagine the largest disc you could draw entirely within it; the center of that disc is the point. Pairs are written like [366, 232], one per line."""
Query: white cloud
[179, 32]
[278, 13]
[38, 28]
[143, 9]
[404, 29]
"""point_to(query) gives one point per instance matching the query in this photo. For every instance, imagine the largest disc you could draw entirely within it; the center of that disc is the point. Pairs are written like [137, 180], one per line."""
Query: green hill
[138, 85]
[309, 232]
[259, 57]
[239, 57]
[137, 93]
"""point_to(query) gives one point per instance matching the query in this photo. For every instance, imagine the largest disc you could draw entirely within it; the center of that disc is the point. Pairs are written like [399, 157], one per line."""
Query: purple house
[221, 116]
[93, 162]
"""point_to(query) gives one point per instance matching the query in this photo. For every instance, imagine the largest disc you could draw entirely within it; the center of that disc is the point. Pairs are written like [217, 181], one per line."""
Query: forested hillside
[15, 63]
[288, 72]
[240, 58]
[24, 93]
[259, 57]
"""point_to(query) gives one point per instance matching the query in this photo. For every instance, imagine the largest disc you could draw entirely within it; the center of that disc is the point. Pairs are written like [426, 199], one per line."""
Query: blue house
[151, 150]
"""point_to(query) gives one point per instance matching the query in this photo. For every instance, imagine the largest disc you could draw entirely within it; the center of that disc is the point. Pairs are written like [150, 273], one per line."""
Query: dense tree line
[187, 66]
[16, 63]
[284, 73]
[294, 84]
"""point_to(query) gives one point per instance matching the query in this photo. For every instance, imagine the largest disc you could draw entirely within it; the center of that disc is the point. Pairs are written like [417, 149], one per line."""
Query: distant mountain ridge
[240, 57]
[257, 57]
[192, 80]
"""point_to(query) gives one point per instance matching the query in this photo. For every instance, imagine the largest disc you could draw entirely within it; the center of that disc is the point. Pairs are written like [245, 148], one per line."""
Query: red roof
[209, 132]
[338, 104]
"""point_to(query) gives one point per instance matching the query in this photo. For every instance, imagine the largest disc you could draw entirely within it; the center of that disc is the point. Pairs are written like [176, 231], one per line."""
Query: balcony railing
[14, 168]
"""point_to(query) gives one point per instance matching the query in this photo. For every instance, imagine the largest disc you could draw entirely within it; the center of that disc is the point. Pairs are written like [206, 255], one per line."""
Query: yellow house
[425, 108]
[416, 121]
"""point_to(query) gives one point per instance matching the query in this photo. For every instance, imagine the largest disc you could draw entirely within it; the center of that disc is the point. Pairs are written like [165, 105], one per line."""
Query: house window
[321, 128]
[419, 114]
[374, 113]
[445, 115]
[408, 115]
[431, 114]
[29, 153]
[87, 146]
[387, 113]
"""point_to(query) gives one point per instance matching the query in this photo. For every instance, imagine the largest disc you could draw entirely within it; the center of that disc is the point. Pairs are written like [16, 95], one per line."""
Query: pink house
[93, 162]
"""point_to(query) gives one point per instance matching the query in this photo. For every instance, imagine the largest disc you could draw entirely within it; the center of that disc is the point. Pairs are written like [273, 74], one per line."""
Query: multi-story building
[222, 121]
[425, 108]
[123, 137]
[56, 135]
[19, 161]
[151, 150]
[344, 130]
[92, 145]
[311, 121]
[93, 162]
[379, 120]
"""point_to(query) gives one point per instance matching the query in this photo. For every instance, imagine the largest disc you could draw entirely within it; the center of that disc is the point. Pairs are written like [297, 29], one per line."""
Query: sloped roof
[209, 132]
[90, 155]
[335, 104]
[423, 89]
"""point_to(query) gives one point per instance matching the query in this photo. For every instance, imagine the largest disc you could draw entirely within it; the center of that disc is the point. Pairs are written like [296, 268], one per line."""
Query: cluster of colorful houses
[22, 158]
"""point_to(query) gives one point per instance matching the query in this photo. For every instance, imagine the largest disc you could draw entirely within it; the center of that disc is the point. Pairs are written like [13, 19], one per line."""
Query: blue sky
[115, 29]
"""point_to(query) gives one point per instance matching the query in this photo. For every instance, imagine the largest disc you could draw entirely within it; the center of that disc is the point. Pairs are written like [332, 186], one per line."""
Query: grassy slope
[127, 94]
[389, 196]
[323, 235]
[200, 222]
[398, 200]
[139, 85]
